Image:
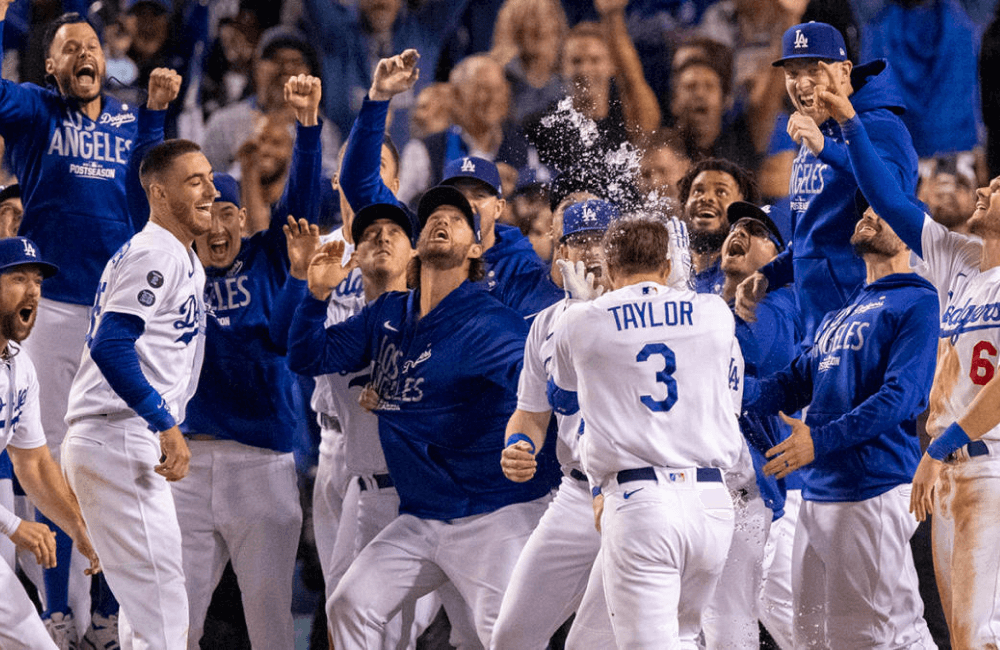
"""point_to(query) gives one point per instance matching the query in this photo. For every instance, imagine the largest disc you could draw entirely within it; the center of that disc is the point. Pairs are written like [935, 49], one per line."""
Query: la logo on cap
[468, 165]
[588, 215]
[29, 250]
[800, 40]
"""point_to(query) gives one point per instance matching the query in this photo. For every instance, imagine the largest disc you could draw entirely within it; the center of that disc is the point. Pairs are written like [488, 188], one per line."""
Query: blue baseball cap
[739, 210]
[592, 215]
[475, 168]
[812, 41]
[440, 195]
[18, 251]
[228, 188]
[369, 214]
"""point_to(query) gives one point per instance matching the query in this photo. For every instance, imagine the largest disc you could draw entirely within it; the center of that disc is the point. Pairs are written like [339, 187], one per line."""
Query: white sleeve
[736, 370]
[531, 387]
[8, 521]
[414, 170]
[27, 431]
[946, 253]
[143, 279]
[563, 371]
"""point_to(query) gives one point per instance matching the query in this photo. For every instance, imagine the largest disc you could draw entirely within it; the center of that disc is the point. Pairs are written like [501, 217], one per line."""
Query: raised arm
[642, 110]
[164, 86]
[301, 196]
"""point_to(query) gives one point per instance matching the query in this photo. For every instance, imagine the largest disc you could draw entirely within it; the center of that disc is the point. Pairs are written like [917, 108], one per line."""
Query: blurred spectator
[117, 42]
[528, 38]
[264, 159]
[937, 77]
[11, 210]
[281, 53]
[228, 65]
[989, 81]
[433, 110]
[482, 101]
[664, 162]
[948, 187]
[353, 39]
[531, 213]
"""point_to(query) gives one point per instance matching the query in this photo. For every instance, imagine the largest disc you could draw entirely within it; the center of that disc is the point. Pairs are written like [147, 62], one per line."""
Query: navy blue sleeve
[834, 154]
[113, 350]
[302, 193]
[317, 350]
[904, 391]
[779, 271]
[290, 296]
[361, 172]
[500, 348]
[788, 390]
[882, 188]
[151, 124]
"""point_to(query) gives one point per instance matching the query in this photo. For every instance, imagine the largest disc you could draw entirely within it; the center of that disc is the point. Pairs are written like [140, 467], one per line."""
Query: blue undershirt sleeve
[113, 350]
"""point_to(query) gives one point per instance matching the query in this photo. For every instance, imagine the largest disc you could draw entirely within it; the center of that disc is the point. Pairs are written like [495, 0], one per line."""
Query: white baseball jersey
[658, 373]
[969, 347]
[155, 277]
[20, 419]
[531, 387]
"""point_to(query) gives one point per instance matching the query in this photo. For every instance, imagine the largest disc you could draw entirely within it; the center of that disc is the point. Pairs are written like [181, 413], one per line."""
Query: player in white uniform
[657, 374]
[958, 478]
[138, 370]
[551, 573]
[21, 273]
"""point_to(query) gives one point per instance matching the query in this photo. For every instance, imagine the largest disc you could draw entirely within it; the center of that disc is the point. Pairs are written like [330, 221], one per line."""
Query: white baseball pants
[329, 490]
[853, 575]
[241, 503]
[552, 572]
[20, 627]
[129, 511]
[664, 548]
[412, 557]
[965, 530]
[776, 585]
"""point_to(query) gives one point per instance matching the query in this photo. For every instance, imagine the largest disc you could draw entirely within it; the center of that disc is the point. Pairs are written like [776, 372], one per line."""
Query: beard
[884, 244]
[442, 258]
[708, 241]
[13, 328]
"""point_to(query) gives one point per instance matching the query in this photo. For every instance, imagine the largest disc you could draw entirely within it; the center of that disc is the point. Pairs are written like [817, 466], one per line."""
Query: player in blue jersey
[515, 275]
[865, 378]
[769, 344]
[704, 193]
[69, 145]
[819, 260]
[237, 437]
[446, 357]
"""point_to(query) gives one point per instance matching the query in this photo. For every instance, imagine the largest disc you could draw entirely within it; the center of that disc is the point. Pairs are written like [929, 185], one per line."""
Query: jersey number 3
[664, 376]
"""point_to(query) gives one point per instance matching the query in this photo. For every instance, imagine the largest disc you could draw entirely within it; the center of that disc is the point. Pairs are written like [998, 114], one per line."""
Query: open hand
[302, 239]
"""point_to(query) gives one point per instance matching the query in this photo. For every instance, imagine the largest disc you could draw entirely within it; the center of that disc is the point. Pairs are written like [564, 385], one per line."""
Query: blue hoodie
[447, 382]
[72, 172]
[866, 380]
[515, 275]
[820, 260]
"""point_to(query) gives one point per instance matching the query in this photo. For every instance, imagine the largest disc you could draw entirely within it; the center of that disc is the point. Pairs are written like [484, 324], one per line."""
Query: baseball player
[235, 437]
[705, 191]
[69, 145]
[515, 275]
[957, 477]
[865, 379]
[138, 370]
[730, 620]
[666, 361]
[820, 260]
[551, 574]
[445, 356]
[21, 273]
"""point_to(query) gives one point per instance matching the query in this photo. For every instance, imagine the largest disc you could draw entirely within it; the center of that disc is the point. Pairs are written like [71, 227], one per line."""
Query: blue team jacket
[821, 261]
[769, 344]
[246, 391]
[72, 172]
[866, 379]
[515, 275]
[448, 385]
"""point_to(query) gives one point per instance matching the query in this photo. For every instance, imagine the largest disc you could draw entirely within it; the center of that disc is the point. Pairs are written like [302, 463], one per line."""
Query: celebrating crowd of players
[516, 440]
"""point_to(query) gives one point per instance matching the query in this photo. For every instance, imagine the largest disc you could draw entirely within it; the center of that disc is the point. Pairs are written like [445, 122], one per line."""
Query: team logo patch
[155, 279]
[800, 40]
[146, 298]
[468, 166]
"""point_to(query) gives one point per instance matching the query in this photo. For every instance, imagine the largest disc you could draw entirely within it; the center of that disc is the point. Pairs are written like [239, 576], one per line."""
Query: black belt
[578, 475]
[383, 481]
[702, 475]
[973, 449]
[329, 422]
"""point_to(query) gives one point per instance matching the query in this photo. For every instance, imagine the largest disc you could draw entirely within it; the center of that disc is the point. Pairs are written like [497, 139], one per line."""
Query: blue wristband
[953, 439]
[595, 491]
[517, 437]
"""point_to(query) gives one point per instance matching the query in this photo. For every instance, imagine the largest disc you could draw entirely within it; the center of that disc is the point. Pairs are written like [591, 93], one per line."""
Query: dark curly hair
[744, 179]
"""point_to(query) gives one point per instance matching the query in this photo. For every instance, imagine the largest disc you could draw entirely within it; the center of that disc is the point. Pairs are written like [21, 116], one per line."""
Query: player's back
[657, 372]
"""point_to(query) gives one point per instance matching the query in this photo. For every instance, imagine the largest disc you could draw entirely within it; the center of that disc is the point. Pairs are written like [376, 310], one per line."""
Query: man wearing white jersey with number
[21, 273]
[958, 478]
[139, 368]
[656, 373]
